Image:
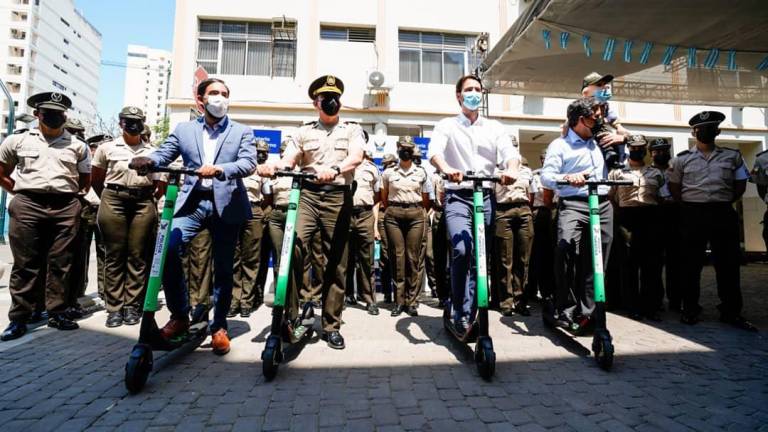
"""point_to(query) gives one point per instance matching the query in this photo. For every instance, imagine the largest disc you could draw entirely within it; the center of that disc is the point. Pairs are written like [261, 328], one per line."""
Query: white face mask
[217, 106]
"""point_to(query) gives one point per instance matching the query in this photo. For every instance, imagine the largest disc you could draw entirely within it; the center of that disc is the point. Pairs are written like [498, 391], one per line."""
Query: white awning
[729, 65]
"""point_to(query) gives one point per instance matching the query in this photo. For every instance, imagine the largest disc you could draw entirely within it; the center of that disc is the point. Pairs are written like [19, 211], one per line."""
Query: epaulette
[683, 153]
[310, 123]
[20, 131]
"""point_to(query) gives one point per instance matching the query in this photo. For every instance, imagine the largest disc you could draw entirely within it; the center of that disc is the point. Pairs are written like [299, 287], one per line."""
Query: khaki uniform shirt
[708, 180]
[281, 190]
[46, 166]
[114, 157]
[439, 184]
[321, 148]
[368, 181]
[405, 186]
[646, 190]
[518, 191]
[256, 188]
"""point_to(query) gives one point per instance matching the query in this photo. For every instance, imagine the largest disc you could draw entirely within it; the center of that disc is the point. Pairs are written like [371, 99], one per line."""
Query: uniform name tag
[29, 153]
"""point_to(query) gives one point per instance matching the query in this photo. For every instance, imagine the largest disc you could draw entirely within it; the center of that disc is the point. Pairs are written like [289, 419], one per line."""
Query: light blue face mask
[603, 95]
[472, 99]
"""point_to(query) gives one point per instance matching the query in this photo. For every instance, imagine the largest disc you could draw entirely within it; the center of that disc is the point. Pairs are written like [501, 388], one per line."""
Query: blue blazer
[234, 154]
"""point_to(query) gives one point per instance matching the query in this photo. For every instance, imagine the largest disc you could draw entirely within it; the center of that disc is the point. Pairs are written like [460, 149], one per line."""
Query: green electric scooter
[485, 357]
[602, 342]
[140, 362]
[282, 331]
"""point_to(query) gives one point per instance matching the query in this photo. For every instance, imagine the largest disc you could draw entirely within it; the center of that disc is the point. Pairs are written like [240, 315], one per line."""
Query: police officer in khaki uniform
[88, 230]
[439, 241]
[708, 179]
[380, 234]
[75, 127]
[245, 296]
[513, 236]
[146, 134]
[127, 218]
[367, 194]
[53, 166]
[331, 150]
[405, 198]
[638, 218]
[426, 259]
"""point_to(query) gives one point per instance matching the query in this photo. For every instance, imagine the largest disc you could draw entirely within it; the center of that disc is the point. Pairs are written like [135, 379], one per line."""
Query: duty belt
[507, 206]
[138, 192]
[403, 205]
[361, 208]
[316, 187]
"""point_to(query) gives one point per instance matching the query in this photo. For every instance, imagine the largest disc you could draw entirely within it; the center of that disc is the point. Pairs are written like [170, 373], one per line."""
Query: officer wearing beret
[707, 180]
[331, 150]
[361, 237]
[760, 177]
[380, 234]
[669, 241]
[127, 218]
[636, 216]
[54, 166]
[513, 240]
[405, 198]
[245, 296]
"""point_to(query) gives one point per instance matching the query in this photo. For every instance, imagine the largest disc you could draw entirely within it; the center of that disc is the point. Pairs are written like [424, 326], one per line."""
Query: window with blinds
[246, 48]
[437, 58]
[348, 34]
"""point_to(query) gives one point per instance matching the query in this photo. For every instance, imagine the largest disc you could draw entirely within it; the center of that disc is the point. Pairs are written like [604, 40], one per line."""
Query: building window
[348, 34]
[66, 42]
[18, 34]
[65, 56]
[437, 58]
[64, 21]
[59, 86]
[247, 48]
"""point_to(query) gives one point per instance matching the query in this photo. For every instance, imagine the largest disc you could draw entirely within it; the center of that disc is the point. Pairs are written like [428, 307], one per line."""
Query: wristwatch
[337, 169]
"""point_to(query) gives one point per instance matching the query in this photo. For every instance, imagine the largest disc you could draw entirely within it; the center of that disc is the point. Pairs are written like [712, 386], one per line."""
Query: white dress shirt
[480, 146]
[210, 139]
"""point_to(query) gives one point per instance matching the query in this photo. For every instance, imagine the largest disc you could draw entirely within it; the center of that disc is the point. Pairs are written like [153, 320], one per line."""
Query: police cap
[325, 84]
[706, 117]
[131, 112]
[50, 100]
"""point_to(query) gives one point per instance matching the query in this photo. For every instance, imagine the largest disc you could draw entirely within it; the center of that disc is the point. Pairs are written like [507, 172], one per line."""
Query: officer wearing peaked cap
[53, 166]
[331, 150]
[707, 180]
[245, 295]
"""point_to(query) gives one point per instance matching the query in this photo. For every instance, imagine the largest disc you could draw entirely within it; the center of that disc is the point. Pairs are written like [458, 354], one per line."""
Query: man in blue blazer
[221, 151]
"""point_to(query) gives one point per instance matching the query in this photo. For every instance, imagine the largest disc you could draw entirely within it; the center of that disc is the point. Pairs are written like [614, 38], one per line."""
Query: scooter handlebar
[601, 183]
[170, 170]
[295, 174]
[474, 177]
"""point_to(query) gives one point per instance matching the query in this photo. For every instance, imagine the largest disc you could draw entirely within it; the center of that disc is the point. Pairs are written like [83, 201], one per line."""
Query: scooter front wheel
[602, 346]
[138, 368]
[271, 357]
[485, 358]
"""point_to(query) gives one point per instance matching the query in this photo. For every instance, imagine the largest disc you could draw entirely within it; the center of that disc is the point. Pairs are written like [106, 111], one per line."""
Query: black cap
[50, 100]
[131, 112]
[325, 84]
[706, 117]
[659, 144]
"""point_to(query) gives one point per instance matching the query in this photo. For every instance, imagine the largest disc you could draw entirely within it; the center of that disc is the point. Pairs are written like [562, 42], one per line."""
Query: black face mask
[330, 105]
[662, 159]
[133, 127]
[417, 161]
[53, 119]
[706, 134]
[405, 155]
[261, 157]
[637, 155]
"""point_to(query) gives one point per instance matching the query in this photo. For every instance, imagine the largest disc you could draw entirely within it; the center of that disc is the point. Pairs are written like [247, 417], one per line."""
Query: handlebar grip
[285, 173]
[170, 170]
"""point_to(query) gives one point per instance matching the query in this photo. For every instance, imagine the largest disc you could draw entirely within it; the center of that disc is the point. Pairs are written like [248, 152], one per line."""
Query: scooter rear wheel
[271, 356]
[602, 345]
[138, 368]
[485, 358]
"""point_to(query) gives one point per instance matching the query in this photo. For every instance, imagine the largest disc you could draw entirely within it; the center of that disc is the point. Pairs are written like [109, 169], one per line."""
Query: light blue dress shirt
[572, 155]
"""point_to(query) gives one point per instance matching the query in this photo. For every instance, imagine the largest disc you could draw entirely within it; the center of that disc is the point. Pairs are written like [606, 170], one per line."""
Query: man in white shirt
[468, 142]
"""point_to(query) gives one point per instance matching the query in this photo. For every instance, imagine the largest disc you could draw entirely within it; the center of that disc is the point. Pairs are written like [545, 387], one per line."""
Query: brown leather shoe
[220, 342]
[174, 328]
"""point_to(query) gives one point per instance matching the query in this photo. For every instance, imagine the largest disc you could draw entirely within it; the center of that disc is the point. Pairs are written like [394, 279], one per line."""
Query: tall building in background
[48, 46]
[146, 81]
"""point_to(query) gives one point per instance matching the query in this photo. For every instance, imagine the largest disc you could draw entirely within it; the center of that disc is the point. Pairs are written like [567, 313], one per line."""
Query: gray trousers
[574, 277]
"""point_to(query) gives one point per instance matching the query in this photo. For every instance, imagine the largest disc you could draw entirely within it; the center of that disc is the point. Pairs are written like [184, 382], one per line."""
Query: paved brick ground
[402, 374]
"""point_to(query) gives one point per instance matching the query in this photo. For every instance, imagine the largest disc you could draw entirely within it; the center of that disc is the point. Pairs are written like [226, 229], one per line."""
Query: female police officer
[405, 196]
[127, 218]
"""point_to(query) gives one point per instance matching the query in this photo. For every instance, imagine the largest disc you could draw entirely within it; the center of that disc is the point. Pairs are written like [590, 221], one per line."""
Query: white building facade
[146, 81]
[48, 45]
[269, 53]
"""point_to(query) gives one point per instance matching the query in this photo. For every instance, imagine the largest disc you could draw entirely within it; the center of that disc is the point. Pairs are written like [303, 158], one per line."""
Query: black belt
[48, 196]
[507, 206]
[404, 205]
[361, 208]
[600, 198]
[316, 187]
[467, 193]
[140, 192]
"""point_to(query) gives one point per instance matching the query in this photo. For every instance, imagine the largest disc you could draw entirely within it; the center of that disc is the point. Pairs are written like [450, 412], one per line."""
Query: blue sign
[423, 143]
[271, 136]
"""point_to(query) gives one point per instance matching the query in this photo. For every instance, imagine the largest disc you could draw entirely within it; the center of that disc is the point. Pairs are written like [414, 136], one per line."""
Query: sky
[136, 22]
